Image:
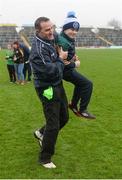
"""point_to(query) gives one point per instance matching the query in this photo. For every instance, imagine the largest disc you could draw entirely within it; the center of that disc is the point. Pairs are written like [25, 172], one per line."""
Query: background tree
[115, 23]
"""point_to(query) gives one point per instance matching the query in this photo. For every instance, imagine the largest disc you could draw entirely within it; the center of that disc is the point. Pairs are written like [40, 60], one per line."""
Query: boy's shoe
[38, 136]
[74, 109]
[87, 115]
[49, 165]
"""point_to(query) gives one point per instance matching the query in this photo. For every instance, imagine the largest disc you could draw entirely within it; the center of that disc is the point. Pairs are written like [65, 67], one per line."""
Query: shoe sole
[87, 117]
[39, 140]
[80, 115]
[74, 111]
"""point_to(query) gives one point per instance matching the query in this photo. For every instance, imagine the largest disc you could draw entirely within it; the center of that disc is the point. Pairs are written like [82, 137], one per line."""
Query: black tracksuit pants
[82, 90]
[56, 114]
[27, 70]
[11, 71]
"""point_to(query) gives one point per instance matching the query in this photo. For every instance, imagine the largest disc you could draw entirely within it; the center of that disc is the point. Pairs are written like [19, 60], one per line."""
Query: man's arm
[43, 66]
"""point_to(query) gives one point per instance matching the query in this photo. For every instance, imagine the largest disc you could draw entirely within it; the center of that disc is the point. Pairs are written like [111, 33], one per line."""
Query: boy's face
[71, 33]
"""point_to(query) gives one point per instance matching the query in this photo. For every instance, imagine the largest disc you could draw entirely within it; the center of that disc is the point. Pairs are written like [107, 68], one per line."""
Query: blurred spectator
[10, 63]
[27, 68]
[19, 62]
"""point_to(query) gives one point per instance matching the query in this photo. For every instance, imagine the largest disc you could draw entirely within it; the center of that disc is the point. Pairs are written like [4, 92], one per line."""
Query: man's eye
[48, 30]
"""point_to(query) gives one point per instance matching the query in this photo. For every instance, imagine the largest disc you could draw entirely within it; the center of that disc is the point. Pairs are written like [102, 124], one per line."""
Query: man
[47, 69]
[83, 86]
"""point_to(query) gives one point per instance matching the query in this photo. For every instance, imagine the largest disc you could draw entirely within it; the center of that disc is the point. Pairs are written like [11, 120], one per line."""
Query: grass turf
[85, 149]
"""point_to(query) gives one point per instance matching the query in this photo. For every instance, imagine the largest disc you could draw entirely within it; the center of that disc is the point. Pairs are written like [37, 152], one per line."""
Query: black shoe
[87, 115]
[74, 109]
[38, 136]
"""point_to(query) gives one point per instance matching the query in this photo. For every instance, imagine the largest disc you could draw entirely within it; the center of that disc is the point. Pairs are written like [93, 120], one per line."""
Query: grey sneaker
[49, 165]
[38, 136]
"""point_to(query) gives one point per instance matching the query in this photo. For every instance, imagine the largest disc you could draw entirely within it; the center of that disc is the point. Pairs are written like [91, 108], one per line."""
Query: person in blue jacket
[47, 68]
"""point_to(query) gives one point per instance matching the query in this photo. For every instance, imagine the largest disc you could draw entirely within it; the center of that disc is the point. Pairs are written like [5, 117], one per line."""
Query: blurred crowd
[18, 65]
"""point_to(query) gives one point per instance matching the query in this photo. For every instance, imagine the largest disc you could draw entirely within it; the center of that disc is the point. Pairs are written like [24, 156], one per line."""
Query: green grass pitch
[85, 149]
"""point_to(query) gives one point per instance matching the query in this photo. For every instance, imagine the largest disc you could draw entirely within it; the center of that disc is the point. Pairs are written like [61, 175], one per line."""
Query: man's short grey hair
[38, 23]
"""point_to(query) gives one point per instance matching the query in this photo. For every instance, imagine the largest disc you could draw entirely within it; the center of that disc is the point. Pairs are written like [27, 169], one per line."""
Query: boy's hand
[77, 63]
[62, 54]
[75, 58]
[66, 62]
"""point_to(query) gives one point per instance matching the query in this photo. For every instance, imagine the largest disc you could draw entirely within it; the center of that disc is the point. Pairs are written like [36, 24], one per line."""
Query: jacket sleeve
[46, 66]
[62, 42]
[71, 65]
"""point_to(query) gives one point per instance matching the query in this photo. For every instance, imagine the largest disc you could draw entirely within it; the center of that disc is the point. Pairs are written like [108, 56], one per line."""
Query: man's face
[71, 33]
[47, 30]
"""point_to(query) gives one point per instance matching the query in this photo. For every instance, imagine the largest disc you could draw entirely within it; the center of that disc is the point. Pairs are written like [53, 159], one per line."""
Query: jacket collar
[67, 37]
[49, 42]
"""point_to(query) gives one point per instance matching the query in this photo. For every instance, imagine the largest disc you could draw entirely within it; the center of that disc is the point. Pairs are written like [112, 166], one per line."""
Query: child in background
[10, 63]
